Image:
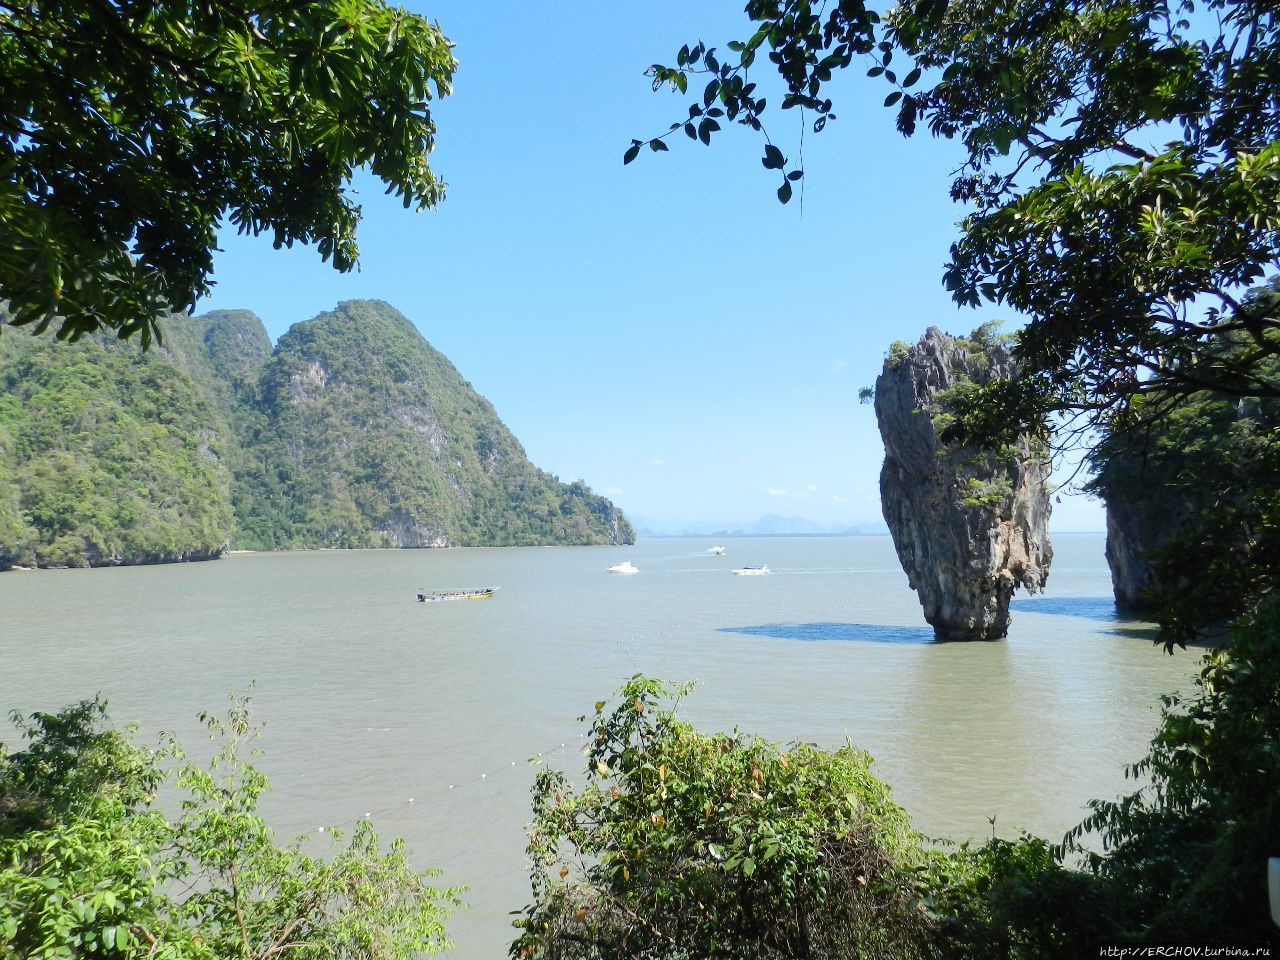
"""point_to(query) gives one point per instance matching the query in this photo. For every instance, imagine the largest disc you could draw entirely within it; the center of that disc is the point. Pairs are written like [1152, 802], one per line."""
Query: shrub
[688, 845]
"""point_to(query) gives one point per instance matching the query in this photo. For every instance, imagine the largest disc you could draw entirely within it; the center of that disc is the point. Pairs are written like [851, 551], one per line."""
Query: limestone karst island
[351, 432]
[866, 545]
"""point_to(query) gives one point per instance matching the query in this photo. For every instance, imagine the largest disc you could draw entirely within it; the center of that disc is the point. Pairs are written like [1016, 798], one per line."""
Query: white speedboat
[626, 566]
[716, 551]
[752, 570]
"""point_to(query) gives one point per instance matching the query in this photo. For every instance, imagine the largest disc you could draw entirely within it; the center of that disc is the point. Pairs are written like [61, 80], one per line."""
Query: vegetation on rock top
[353, 432]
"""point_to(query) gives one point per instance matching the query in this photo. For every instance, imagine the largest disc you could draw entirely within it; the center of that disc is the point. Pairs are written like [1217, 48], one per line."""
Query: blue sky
[667, 330]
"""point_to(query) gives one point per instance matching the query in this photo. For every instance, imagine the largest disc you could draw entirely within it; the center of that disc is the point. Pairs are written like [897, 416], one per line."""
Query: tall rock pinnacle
[970, 526]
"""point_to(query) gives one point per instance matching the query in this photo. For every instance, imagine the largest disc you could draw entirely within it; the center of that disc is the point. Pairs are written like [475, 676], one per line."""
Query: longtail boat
[438, 596]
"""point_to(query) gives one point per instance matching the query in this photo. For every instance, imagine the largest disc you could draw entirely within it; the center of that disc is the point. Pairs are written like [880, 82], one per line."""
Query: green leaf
[784, 191]
[773, 158]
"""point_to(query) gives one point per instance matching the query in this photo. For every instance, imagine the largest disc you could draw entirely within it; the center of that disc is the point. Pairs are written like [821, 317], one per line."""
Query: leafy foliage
[1189, 848]
[1194, 481]
[1016, 900]
[129, 131]
[683, 844]
[686, 845]
[89, 869]
[1129, 259]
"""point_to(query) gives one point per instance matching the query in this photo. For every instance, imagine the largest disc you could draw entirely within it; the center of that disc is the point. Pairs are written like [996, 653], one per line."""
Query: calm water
[424, 715]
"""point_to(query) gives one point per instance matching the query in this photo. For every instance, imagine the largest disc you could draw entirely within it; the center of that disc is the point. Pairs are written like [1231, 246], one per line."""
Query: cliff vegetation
[107, 457]
[969, 524]
[352, 432]
[1191, 479]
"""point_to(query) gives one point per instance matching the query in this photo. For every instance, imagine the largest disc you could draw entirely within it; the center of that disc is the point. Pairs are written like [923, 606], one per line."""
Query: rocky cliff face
[1131, 539]
[969, 526]
[1177, 482]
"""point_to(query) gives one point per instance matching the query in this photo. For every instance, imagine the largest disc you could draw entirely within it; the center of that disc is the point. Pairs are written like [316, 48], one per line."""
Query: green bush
[1015, 900]
[89, 869]
[689, 845]
[1191, 845]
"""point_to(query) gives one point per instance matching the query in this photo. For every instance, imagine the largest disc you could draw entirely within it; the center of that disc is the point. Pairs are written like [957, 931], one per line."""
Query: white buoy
[319, 829]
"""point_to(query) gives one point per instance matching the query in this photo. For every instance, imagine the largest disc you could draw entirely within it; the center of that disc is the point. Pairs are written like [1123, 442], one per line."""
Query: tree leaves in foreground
[1121, 172]
[91, 867]
[686, 845]
[130, 131]
[1190, 847]
[1192, 486]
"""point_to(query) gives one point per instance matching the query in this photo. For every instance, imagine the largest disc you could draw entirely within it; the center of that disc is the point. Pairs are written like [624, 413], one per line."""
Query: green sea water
[423, 716]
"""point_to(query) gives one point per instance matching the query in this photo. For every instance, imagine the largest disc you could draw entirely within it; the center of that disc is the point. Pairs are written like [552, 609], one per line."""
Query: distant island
[351, 432]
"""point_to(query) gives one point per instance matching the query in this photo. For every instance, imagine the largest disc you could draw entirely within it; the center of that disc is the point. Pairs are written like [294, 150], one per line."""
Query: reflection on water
[1102, 609]
[423, 715]
[822, 631]
[1148, 632]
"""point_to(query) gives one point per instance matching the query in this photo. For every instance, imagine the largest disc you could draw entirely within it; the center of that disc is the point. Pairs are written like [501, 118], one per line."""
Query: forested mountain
[353, 432]
[107, 456]
[370, 437]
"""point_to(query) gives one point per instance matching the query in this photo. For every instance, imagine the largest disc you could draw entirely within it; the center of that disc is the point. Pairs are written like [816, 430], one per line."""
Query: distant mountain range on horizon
[773, 525]
[769, 525]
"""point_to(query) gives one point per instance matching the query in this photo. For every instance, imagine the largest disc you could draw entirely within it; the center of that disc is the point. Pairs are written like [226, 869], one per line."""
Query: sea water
[424, 716]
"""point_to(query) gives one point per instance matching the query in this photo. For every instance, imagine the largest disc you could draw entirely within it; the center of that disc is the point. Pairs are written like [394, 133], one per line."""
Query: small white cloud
[776, 492]
[836, 498]
[811, 488]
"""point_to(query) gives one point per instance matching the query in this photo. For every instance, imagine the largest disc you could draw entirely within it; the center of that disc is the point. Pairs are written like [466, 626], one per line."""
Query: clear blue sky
[667, 330]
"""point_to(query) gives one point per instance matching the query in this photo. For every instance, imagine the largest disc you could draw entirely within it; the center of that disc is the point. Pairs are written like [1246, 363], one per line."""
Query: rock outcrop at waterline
[1131, 541]
[970, 526]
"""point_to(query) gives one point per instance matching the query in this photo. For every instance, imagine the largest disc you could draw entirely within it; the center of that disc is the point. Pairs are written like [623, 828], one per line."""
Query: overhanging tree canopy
[1129, 258]
[129, 129]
